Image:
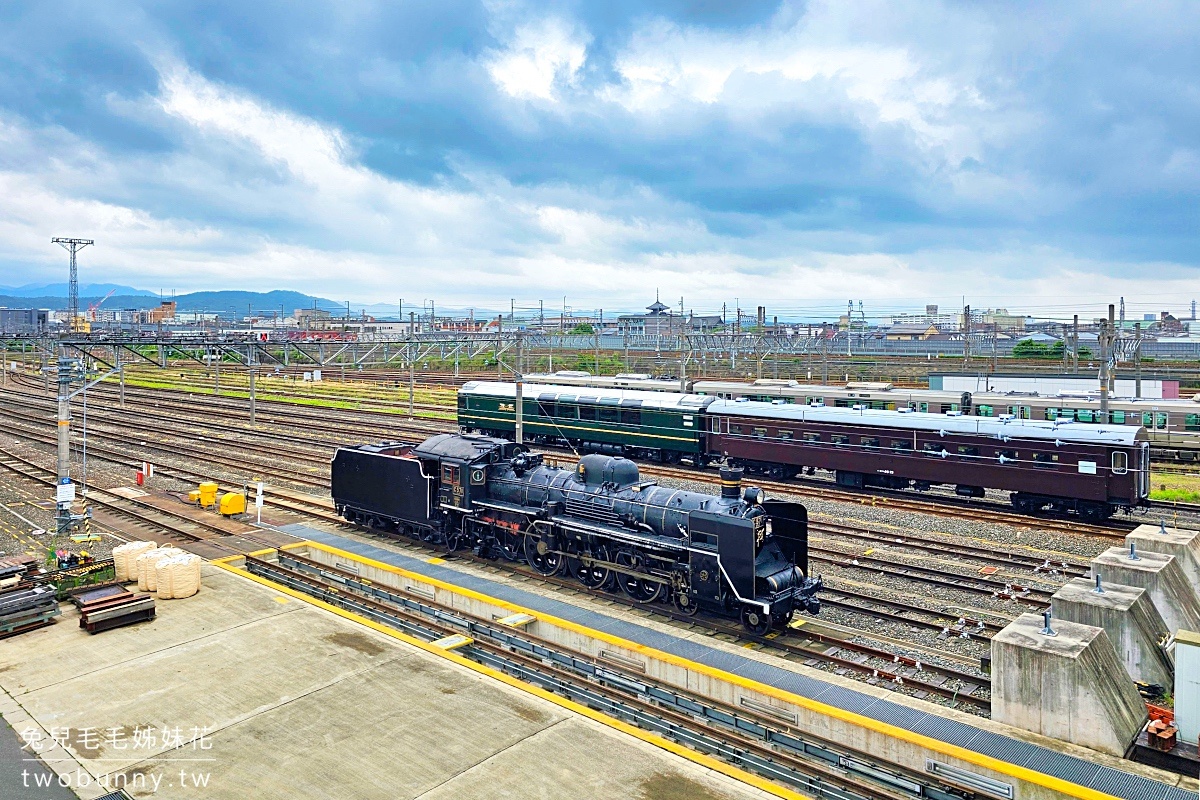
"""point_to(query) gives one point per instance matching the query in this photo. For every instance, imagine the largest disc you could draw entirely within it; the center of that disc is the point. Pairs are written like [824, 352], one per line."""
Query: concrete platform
[989, 739]
[265, 696]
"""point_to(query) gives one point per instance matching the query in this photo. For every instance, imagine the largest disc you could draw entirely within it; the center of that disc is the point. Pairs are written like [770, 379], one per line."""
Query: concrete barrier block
[1183, 544]
[1162, 578]
[1071, 686]
[1130, 619]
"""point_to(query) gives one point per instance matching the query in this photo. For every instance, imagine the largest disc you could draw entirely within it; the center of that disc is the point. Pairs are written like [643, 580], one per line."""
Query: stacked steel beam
[25, 608]
[102, 608]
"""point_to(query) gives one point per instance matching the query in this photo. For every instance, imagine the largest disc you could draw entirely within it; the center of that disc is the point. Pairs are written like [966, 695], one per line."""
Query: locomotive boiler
[736, 553]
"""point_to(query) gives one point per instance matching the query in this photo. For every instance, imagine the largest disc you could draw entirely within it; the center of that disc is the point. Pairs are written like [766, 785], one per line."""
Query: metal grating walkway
[1013, 751]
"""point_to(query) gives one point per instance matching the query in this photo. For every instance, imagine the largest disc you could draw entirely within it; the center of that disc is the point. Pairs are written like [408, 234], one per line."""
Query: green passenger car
[640, 424]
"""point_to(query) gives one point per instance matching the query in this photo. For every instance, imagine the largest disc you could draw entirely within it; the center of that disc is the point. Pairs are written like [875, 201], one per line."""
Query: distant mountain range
[234, 304]
[60, 290]
[229, 304]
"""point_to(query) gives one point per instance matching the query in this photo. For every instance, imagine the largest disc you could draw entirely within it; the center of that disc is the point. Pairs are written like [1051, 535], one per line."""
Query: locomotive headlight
[753, 496]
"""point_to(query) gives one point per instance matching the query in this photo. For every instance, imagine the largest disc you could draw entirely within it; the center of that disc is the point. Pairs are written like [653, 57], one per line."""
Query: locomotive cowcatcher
[735, 554]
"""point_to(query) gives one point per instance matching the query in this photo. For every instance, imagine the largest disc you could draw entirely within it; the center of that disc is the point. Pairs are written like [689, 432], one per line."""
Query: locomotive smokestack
[731, 482]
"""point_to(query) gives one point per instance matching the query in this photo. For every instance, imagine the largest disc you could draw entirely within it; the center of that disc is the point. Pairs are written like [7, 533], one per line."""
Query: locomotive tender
[736, 553]
[1091, 470]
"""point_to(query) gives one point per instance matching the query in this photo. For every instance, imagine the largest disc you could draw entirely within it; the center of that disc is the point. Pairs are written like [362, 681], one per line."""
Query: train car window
[1158, 420]
[1120, 462]
[786, 435]
[1191, 422]
[839, 439]
[588, 413]
[716, 424]
[1085, 415]
[967, 450]
[870, 442]
[449, 475]
[760, 433]
[1118, 417]
[1045, 459]
[932, 448]
[609, 415]
[631, 417]
[924, 407]
[1007, 455]
[1051, 414]
[705, 540]
[901, 445]
[811, 437]
[545, 409]
[985, 411]
[735, 429]
[567, 412]
[566, 398]
[842, 403]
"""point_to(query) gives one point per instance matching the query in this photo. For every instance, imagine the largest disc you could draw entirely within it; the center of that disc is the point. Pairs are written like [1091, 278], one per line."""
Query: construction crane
[94, 307]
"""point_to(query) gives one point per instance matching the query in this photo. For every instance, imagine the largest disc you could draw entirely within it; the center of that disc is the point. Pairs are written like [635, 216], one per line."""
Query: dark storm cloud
[674, 136]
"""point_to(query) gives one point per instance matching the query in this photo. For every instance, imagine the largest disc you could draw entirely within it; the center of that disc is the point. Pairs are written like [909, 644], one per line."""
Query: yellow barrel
[233, 503]
[208, 494]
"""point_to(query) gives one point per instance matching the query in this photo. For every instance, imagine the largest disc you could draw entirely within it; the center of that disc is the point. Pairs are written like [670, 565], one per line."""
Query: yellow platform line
[570, 705]
[1016, 771]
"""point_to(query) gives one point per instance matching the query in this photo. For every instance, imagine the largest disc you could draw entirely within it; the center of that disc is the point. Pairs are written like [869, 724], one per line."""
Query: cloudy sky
[791, 154]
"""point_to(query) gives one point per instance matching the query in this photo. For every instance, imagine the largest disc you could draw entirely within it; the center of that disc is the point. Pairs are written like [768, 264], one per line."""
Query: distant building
[163, 314]
[24, 320]
[931, 316]
[660, 321]
[911, 332]
[1000, 318]
[311, 317]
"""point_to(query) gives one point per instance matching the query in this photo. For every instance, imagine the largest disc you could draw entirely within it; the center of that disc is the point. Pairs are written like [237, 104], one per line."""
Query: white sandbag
[123, 559]
[162, 573]
[179, 576]
[140, 562]
[146, 577]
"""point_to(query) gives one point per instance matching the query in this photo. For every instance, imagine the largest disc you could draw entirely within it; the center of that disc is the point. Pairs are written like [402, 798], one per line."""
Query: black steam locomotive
[734, 554]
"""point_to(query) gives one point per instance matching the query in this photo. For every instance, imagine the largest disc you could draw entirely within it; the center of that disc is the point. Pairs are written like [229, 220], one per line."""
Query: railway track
[845, 654]
[805, 487]
[163, 524]
[993, 556]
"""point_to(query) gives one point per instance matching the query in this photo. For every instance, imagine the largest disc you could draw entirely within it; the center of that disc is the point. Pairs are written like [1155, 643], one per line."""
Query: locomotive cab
[759, 554]
[459, 466]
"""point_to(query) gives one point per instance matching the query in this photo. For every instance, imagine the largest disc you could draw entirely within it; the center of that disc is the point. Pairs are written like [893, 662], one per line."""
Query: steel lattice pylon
[73, 246]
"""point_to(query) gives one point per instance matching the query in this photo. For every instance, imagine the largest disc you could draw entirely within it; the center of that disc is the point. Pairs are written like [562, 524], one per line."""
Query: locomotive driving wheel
[755, 621]
[540, 557]
[685, 604]
[640, 589]
[594, 576]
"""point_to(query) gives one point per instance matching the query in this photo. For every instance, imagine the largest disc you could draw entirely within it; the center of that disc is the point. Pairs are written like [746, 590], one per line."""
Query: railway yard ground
[914, 593]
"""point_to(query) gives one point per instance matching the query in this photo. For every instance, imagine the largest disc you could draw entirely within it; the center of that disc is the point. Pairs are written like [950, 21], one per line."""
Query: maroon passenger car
[1093, 470]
